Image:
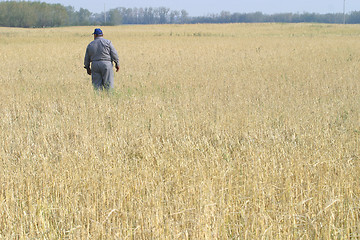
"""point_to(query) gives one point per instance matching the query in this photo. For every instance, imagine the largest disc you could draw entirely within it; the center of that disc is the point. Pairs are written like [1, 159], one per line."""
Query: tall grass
[213, 132]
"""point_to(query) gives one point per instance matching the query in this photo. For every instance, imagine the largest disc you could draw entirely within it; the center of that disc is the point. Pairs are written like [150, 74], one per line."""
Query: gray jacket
[100, 49]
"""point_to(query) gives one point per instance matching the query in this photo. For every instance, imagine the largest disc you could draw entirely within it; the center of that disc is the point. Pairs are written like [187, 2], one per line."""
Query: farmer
[101, 54]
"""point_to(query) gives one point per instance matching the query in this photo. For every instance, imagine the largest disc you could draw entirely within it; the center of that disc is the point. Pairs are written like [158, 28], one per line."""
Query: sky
[205, 7]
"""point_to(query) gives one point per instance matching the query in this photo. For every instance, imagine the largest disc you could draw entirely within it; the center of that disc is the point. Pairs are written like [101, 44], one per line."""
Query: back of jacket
[100, 49]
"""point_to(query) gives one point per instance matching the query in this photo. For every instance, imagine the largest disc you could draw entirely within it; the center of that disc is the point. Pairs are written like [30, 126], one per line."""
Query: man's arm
[87, 61]
[114, 56]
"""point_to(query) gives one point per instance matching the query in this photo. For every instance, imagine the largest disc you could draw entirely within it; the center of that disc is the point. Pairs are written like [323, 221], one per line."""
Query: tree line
[39, 14]
[258, 17]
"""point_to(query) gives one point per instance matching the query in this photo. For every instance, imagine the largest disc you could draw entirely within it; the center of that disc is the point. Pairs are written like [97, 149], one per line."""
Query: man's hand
[117, 68]
[88, 71]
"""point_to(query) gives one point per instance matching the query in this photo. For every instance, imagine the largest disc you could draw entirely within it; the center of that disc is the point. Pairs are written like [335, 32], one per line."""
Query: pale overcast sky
[204, 7]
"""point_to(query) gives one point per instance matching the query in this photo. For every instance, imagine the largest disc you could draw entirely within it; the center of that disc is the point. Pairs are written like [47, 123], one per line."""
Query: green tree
[59, 15]
[115, 17]
[174, 16]
[163, 15]
[84, 17]
[73, 18]
[354, 17]
[184, 16]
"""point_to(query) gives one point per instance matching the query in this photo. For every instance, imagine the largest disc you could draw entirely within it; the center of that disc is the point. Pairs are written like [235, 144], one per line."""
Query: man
[101, 54]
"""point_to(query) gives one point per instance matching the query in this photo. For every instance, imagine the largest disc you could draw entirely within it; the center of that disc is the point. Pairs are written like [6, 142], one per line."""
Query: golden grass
[241, 131]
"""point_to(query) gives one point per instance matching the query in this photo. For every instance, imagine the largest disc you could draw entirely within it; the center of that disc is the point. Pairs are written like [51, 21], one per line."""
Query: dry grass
[213, 132]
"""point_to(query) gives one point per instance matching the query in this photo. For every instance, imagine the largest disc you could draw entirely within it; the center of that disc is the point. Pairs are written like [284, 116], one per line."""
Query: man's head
[97, 33]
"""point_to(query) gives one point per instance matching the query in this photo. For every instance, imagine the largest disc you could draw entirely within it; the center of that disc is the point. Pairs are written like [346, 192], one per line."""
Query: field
[240, 131]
